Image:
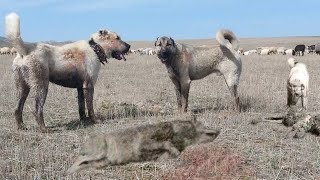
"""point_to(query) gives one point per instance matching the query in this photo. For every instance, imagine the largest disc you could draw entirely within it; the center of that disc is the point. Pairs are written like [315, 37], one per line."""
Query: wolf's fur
[74, 65]
[143, 143]
[185, 63]
[297, 84]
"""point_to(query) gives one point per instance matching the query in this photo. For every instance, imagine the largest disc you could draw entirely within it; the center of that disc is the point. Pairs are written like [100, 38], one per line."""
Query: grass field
[139, 91]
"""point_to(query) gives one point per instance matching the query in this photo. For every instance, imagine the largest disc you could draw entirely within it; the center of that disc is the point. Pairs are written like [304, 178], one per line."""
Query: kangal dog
[297, 84]
[158, 141]
[74, 65]
[185, 63]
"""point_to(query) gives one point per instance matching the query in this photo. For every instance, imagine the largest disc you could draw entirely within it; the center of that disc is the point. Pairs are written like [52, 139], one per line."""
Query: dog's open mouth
[118, 55]
[163, 59]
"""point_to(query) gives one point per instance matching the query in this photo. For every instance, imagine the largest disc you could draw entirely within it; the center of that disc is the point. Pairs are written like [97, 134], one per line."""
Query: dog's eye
[169, 44]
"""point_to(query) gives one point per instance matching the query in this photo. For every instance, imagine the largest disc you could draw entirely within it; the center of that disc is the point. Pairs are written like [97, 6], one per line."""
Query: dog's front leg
[81, 103]
[304, 102]
[88, 94]
[185, 87]
[291, 98]
[178, 92]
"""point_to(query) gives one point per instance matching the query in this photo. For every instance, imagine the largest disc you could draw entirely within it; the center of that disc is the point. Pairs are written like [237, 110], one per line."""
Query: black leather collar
[99, 51]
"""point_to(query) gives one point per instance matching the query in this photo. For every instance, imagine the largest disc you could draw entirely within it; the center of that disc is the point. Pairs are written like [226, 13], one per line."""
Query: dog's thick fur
[143, 143]
[74, 65]
[185, 63]
[297, 84]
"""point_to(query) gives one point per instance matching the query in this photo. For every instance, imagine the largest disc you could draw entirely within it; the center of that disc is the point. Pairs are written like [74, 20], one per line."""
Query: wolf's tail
[12, 30]
[291, 62]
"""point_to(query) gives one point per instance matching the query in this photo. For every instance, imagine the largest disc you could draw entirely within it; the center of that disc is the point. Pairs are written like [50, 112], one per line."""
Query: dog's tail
[12, 29]
[292, 62]
[227, 39]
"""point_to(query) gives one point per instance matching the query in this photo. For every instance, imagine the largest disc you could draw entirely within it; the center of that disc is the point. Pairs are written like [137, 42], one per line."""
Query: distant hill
[4, 42]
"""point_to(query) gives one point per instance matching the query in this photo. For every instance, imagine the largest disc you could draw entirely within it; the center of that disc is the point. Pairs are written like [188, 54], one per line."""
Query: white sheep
[5, 51]
[265, 52]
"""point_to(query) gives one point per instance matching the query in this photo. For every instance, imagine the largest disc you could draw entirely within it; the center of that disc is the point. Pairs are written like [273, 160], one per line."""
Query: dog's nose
[127, 46]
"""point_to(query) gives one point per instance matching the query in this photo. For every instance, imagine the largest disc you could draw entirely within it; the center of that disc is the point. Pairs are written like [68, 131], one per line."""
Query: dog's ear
[103, 32]
[155, 43]
[173, 43]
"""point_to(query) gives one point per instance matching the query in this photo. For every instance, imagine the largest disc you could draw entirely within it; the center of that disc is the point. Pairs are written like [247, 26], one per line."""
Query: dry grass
[139, 91]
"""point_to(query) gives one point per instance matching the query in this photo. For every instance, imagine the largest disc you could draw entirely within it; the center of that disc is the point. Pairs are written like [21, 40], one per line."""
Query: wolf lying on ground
[143, 143]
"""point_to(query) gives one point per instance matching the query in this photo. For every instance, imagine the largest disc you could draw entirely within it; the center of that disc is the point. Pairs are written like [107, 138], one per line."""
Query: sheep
[5, 50]
[272, 50]
[317, 49]
[265, 52]
[13, 51]
[253, 51]
[290, 52]
[299, 49]
[281, 50]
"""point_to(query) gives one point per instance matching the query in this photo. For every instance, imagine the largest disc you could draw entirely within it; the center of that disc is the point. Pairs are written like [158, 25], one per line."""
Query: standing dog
[297, 84]
[74, 65]
[185, 63]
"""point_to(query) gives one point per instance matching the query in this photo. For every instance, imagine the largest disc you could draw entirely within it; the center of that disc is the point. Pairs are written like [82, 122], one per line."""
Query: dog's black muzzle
[164, 55]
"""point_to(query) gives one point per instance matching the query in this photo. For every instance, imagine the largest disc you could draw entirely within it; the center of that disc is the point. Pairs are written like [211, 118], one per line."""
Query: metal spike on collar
[99, 51]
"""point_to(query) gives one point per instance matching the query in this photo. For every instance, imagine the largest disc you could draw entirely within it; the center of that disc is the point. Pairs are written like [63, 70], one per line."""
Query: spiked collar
[99, 51]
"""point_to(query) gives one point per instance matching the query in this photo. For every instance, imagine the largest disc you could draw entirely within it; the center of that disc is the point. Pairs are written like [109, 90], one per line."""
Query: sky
[70, 20]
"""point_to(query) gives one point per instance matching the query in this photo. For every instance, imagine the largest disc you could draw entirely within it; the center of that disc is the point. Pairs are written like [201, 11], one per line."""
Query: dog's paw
[22, 127]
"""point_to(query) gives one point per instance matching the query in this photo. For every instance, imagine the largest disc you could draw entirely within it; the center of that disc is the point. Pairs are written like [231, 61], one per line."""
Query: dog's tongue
[124, 58]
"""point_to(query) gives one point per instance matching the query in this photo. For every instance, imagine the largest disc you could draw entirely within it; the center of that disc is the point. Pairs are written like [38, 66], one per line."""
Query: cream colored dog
[185, 63]
[74, 65]
[297, 84]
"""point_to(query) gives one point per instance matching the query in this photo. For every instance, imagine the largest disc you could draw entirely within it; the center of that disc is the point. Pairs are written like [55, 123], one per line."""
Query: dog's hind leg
[22, 93]
[40, 97]
[231, 76]
[81, 103]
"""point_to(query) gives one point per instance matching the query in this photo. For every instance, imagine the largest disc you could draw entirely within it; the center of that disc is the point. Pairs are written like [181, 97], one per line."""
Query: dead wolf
[185, 63]
[143, 143]
[74, 65]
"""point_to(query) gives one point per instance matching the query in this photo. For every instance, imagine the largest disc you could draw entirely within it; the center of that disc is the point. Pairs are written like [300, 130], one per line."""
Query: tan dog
[297, 84]
[185, 63]
[143, 143]
[74, 65]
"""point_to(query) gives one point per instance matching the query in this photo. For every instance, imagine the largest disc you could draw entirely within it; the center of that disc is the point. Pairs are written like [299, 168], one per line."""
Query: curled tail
[291, 62]
[227, 39]
[12, 29]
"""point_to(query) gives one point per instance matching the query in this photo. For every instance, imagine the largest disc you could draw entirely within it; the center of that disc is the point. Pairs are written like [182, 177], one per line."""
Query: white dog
[297, 84]
[73, 65]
